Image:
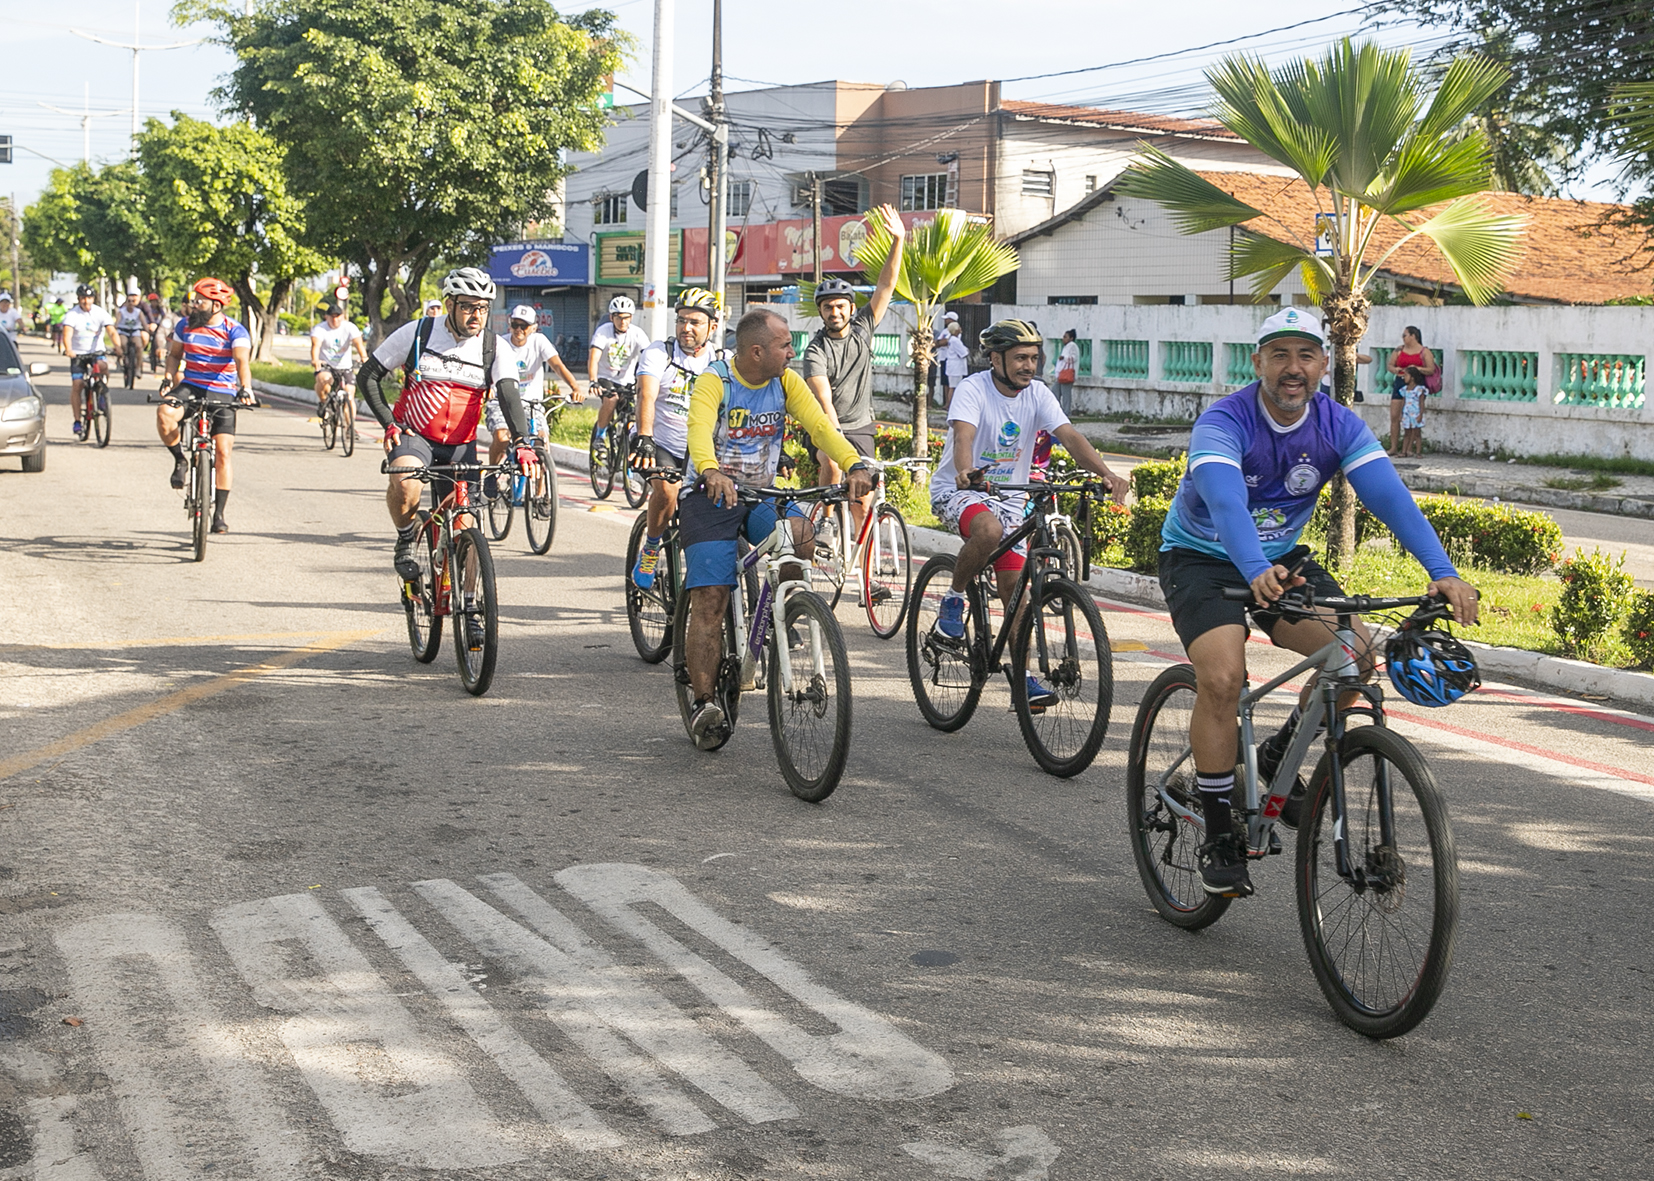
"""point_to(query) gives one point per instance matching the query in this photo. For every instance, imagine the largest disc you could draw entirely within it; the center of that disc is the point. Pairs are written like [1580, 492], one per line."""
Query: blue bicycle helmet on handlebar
[1430, 668]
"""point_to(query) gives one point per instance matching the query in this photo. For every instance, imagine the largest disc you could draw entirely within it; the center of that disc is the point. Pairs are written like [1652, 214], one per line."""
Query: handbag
[1066, 375]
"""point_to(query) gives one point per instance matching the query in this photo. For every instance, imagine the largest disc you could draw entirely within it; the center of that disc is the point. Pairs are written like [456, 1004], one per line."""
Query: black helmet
[1008, 334]
[834, 289]
[83, 289]
[1430, 668]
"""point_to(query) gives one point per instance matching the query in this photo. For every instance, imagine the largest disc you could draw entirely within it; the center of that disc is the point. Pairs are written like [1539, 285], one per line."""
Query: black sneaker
[475, 633]
[1223, 866]
[705, 722]
[219, 525]
[180, 472]
[407, 568]
[1270, 753]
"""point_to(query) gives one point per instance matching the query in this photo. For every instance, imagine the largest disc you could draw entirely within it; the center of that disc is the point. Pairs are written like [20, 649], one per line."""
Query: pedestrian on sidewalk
[1412, 413]
[956, 363]
[1411, 355]
[1068, 368]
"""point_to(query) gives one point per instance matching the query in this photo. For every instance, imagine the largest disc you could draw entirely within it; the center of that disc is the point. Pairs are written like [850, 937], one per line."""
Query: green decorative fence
[1186, 360]
[888, 349]
[1053, 349]
[1126, 358]
[1237, 363]
[800, 339]
[1383, 381]
[1612, 381]
[1499, 375]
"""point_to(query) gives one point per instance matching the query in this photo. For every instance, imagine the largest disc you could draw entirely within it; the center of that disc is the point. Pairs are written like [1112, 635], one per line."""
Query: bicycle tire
[419, 603]
[129, 362]
[731, 694]
[827, 562]
[1164, 845]
[102, 424]
[650, 613]
[600, 458]
[500, 508]
[947, 679]
[330, 424]
[1068, 541]
[1064, 737]
[474, 568]
[632, 485]
[202, 487]
[347, 426]
[887, 566]
[811, 768]
[540, 504]
[1381, 997]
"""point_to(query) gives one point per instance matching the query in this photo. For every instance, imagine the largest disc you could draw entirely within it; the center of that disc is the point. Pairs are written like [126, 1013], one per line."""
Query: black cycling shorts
[861, 438]
[432, 454]
[223, 417]
[1194, 583]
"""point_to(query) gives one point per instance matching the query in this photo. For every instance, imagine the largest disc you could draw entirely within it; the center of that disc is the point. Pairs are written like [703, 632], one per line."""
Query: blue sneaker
[950, 620]
[1038, 695]
[643, 570]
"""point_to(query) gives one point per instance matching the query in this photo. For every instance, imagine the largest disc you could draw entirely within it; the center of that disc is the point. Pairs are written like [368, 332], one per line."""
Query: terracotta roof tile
[1122, 120]
[1569, 256]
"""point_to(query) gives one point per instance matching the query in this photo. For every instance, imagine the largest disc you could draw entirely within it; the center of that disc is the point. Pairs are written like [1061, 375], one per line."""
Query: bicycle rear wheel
[1381, 943]
[600, 456]
[810, 724]
[886, 572]
[129, 362]
[649, 613]
[1070, 655]
[540, 503]
[476, 612]
[347, 426]
[100, 417]
[827, 563]
[727, 684]
[201, 495]
[330, 424]
[419, 599]
[500, 507]
[947, 675]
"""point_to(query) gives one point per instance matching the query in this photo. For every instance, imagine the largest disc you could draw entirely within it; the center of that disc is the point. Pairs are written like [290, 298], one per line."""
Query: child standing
[1412, 413]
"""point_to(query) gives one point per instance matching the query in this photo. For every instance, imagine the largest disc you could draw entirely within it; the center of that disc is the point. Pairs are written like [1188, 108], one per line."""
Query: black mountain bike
[197, 441]
[131, 360]
[649, 613]
[339, 413]
[1069, 650]
[610, 455]
[95, 387]
[536, 493]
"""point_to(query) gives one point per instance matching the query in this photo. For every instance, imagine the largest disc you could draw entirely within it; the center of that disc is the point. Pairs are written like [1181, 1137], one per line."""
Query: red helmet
[214, 289]
[152, 295]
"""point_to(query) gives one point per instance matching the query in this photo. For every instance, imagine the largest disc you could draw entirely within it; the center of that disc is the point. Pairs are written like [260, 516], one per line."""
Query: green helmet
[1008, 334]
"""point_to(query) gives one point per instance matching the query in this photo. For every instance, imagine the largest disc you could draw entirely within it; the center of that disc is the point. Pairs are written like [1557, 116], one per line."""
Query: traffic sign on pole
[5, 149]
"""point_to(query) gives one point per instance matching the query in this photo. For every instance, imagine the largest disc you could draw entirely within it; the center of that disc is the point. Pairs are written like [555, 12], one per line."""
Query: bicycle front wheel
[1068, 543]
[886, 572]
[810, 722]
[476, 612]
[540, 503]
[1381, 940]
[1069, 656]
[419, 598]
[649, 613]
[1161, 768]
[600, 456]
[100, 417]
[727, 681]
[947, 675]
[347, 426]
[330, 424]
[632, 483]
[500, 508]
[201, 493]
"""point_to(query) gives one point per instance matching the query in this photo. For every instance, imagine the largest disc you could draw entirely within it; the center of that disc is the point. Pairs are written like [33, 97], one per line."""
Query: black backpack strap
[421, 341]
[490, 341]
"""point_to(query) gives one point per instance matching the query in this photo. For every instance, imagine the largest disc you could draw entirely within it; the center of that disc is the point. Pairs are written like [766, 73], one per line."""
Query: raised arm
[886, 287]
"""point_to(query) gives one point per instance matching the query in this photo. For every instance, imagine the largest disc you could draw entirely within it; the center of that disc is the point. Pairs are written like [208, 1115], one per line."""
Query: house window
[1091, 184]
[740, 197]
[1036, 183]
[929, 191]
[610, 210]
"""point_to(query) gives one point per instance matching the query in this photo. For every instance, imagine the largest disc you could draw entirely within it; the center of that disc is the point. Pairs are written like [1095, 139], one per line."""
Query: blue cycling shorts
[709, 535]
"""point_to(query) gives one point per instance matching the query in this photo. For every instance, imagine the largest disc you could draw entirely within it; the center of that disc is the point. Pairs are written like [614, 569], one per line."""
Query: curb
[287, 393]
[1617, 506]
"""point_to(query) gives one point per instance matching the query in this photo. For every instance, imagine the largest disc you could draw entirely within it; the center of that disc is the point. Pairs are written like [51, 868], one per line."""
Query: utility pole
[86, 116]
[16, 258]
[717, 222]
[815, 217]
[657, 236]
[136, 49]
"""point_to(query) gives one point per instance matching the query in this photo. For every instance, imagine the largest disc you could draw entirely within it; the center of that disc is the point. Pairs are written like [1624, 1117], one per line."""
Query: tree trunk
[373, 298]
[921, 346]
[271, 319]
[1346, 324]
[253, 309]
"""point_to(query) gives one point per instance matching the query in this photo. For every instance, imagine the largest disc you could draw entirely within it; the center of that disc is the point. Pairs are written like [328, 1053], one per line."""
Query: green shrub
[1495, 536]
[1142, 540]
[1595, 594]
[896, 442]
[1158, 478]
[1315, 530]
[1638, 628]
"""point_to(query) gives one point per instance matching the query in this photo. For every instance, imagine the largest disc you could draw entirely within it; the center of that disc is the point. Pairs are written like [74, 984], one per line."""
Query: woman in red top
[1411, 355]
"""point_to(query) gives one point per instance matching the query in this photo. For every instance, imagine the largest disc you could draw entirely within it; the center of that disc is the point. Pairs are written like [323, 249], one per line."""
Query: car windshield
[9, 361]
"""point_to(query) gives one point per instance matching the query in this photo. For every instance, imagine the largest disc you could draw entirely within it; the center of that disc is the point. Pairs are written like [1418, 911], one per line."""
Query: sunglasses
[466, 308]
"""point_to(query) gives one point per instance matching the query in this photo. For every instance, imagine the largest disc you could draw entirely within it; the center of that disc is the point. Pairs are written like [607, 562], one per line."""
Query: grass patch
[573, 427]
[1596, 482]
[290, 373]
[1622, 465]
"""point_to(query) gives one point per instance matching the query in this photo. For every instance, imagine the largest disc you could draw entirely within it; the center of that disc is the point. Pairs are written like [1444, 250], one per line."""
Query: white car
[22, 409]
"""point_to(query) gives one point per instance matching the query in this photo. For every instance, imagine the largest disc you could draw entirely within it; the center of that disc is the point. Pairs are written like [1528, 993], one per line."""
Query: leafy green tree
[32, 278]
[419, 128]
[221, 206]
[949, 258]
[96, 222]
[52, 230]
[1377, 152]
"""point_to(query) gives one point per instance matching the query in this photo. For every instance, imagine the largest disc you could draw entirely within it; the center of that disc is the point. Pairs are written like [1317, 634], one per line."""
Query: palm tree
[946, 259]
[1378, 155]
[1634, 111]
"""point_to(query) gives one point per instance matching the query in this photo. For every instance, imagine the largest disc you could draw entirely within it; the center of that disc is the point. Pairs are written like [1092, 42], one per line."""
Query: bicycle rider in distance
[736, 415]
[448, 368]
[666, 374]
[531, 351]
[215, 351]
[331, 343]
[130, 321]
[1257, 462]
[616, 346]
[85, 327]
[993, 421]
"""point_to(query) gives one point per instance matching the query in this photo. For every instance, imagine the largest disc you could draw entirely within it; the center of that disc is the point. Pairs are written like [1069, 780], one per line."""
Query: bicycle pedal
[1274, 843]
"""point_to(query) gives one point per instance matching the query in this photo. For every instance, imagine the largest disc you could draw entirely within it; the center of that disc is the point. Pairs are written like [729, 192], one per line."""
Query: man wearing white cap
[531, 351]
[10, 317]
[1257, 462]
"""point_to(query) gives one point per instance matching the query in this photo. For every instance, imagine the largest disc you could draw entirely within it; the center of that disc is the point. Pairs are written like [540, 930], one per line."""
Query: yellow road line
[178, 641]
[1127, 646]
[137, 716]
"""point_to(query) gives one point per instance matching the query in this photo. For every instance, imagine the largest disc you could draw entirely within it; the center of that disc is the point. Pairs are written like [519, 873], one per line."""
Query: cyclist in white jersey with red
[666, 375]
[530, 350]
[450, 367]
[616, 346]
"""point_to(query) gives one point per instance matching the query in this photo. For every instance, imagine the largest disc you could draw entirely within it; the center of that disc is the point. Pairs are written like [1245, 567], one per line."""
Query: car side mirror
[39, 369]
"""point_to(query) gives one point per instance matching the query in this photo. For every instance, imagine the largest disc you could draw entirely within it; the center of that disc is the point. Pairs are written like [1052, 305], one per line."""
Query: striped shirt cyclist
[209, 355]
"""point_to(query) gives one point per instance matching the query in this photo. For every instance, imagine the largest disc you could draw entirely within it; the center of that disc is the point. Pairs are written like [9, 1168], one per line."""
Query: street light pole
[136, 49]
[718, 211]
[657, 236]
[86, 116]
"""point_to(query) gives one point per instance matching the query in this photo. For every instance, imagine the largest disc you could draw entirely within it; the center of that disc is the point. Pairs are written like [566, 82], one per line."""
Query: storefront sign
[620, 258]
[541, 264]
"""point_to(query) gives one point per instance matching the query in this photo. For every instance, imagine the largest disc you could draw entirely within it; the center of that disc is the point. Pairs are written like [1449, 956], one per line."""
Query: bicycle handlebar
[826, 493]
[1301, 601]
[168, 398]
[431, 471]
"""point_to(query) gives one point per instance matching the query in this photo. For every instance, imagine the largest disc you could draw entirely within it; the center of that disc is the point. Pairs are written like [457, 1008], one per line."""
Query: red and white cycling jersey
[442, 395]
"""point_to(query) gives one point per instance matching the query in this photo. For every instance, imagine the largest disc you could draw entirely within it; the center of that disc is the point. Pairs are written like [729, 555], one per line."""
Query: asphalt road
[277, 902]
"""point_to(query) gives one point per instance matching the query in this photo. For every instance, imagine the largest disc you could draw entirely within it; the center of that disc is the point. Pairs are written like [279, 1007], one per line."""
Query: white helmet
[472, 281]
[623, 305]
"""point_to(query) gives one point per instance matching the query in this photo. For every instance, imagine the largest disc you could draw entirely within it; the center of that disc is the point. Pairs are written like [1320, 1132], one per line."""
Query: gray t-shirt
[847, 364]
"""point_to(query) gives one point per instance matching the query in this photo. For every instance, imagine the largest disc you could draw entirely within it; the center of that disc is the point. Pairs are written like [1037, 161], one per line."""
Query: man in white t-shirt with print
[530, 350]
[666, 376]
[616, 346]
[11, 319]
[332, 341]
[87, 329]
[992, 424]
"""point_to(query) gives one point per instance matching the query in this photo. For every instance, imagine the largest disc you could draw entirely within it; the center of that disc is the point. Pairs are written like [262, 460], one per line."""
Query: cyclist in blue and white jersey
[1257, 462]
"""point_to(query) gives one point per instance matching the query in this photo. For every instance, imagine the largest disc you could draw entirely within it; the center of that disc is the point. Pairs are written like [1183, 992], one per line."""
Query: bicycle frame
[766, 560]
[1028, 586]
